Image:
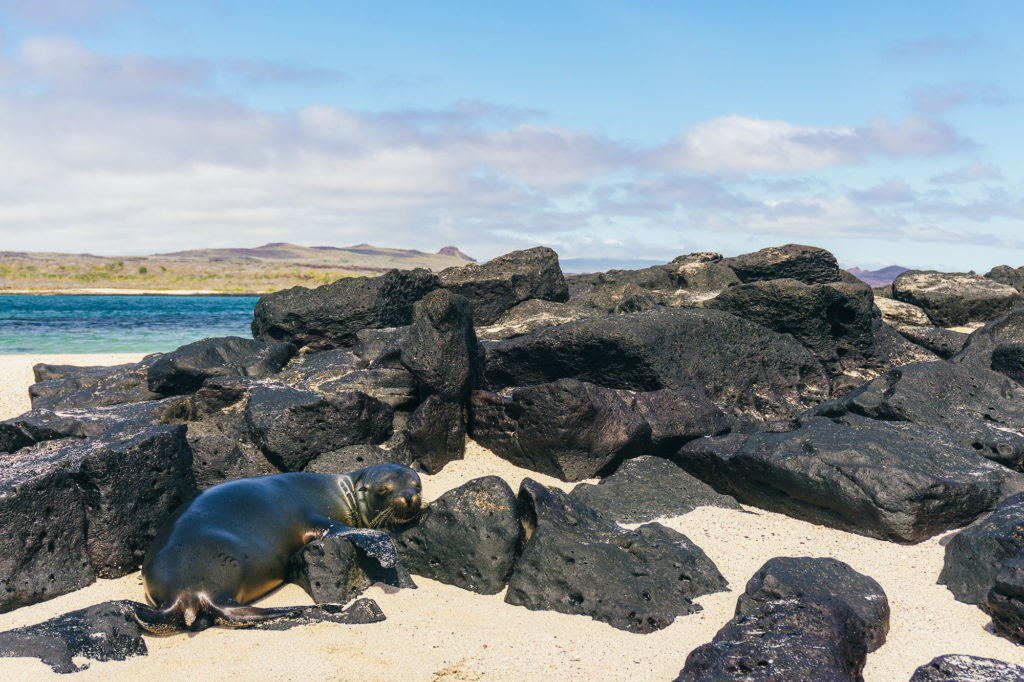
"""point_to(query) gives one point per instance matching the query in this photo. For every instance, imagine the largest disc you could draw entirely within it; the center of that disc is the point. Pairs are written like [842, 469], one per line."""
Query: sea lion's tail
[199, 612]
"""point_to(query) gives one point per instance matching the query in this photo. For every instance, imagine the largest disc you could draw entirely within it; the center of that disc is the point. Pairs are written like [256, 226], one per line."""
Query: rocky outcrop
[568, 429]
[441, 350]
[960, 668]
[744, 368]
[824, 578]
[331, 315]
[975, 555]
[943, 342]
[808, 638]
[468, 537]
[184, 370]
[881, 479]
[952, 299]
[1005, 601]
[332, 570]
[573, 562]
[807, 264]
[62, 387]
[646, 488]
[1004, 274]
[501, 283]
[73, 509]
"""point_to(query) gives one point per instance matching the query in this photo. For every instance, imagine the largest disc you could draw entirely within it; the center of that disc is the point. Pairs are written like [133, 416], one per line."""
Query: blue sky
[885, 132]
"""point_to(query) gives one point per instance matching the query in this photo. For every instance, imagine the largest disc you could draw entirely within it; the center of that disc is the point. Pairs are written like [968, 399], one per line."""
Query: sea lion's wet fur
[231, 544]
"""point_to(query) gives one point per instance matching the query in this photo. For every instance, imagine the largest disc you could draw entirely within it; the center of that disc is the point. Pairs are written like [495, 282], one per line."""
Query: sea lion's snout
[407, 504]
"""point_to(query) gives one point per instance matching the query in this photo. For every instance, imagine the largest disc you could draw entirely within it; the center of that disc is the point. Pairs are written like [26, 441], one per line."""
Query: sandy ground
[439, 632]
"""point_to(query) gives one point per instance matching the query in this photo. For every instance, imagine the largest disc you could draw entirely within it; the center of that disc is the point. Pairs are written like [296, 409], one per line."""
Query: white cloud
[974, 172]
[937, 100]
[737, 144]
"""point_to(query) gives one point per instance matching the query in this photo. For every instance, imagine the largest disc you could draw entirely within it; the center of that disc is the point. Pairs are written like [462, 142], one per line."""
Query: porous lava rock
[1004, 274]
[435, 434]
[961, 668]
[807, 264]
[809, 638]
[575, 562]
[468, 537]
[61, 387]
[1005, 601]
[332, 570]
[796, 577]
[890, 480]
[185, 369]
[533, 315]
[900, 314]
[646, 488]
[352, 457]
[329, 316]
[568, 429]
[976, 554]
[501, 283]
[72, 509]
[744, 368]
[833, 320]
[441, 350]
[103, 632]
[976, 408]
[951, 299]
[292, 427]
[943, 342]
[677, 416]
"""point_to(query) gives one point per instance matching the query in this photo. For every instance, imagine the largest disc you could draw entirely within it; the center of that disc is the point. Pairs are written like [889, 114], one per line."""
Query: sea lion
[231, 543]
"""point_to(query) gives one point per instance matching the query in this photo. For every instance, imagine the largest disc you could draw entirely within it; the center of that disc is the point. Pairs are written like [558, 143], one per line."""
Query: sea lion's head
[387, 494]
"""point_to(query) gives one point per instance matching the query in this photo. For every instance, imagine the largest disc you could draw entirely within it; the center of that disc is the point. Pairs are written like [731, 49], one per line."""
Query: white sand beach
[439, 632]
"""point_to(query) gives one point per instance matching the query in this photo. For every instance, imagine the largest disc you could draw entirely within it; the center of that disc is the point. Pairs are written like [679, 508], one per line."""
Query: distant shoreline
[127, 292]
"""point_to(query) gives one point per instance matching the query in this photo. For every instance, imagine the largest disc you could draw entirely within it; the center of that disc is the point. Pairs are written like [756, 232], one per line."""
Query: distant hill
[878, 278]
[270, 267]
[583, 266]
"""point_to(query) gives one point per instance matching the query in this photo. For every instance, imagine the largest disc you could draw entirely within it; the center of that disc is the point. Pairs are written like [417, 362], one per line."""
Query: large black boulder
[890, 480]
[533, 315]
[468, 537]
[743, 367]
[1004, 274]
[807, 264]
[1005, 601]
[104, 632]
[183, 370]
[441, 350]
[951, 298]
[292, 427]
[330, 315]
[352, 457]
[568, 428]
[501, 283]
[973, 406]
[332, 570]
[677, 416]
[975, 555]
[575, 562]
[646, 488]
[435, 434]
[943, 342]
[833, 320]
[72, 509]
[961, 668]
[797, 577]
[810, 638]
[60, 387]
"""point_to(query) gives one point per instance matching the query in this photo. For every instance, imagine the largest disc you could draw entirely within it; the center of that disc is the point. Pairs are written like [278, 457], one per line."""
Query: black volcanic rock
[292, 427]
[943, 342]
[1005, 601]
[833, 320]
[501, 283]
[435, 435]
[575, 562]
[332, 570]
[796, 577]
[976, 408]
[647, 487]
[329, 316]
[810, 638]
[975, 555]
[744, 368]
[961, 668]
[183, 370]
[1004, 274]
[104, 632]
[569, 429]
[441, 350]
[890, 480]
[677, 416]
[468, 537]
[807, 264]
[72, 509]
[951, 299]
[61, 387]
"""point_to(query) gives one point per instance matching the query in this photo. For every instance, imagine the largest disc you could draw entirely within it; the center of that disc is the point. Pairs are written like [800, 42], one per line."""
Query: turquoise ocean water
[118, 324]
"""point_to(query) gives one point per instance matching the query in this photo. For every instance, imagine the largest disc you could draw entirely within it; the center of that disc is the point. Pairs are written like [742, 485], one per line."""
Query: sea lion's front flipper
[375, 543]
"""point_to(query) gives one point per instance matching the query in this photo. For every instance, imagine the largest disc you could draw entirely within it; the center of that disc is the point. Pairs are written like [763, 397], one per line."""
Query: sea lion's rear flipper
[375, 543]
[164, 621]
[236, 615]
